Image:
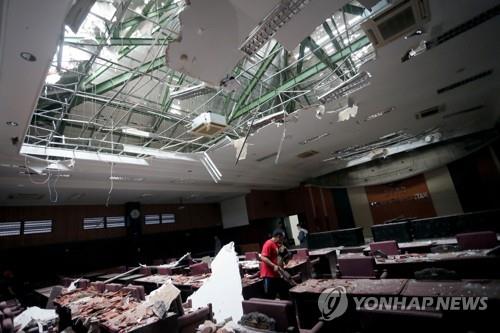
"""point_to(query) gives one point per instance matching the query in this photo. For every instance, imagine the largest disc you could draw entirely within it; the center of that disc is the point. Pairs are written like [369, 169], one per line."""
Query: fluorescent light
[280, 15]
[198, 90]
[379, 114]
[346, 88]
[123, 178]
[137, 132]
[314, 138]
[160, 154]
[28, 149]
[212, 169]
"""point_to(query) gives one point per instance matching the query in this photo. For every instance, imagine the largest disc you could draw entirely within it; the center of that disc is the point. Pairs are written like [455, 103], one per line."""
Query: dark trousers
[276, 286]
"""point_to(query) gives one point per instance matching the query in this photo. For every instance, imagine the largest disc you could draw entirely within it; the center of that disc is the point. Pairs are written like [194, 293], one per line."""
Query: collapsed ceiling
[127, 87]
[109, 86]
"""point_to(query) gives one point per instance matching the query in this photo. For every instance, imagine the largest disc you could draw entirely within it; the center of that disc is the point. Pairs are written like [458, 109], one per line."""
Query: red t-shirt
[269, 250]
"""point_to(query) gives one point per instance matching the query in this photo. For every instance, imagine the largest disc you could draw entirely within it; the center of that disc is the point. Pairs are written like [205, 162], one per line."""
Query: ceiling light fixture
[314, 138]
[137, 132]
[28, 149]
[157, 153]
[12, 123]
[28, 56]
[190, 92]
[379, 114]
[212, 169]
[346, 88]
[124, 178]
[280, 15]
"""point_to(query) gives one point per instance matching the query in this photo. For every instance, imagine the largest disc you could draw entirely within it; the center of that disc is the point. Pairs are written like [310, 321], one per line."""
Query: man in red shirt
[269, 267]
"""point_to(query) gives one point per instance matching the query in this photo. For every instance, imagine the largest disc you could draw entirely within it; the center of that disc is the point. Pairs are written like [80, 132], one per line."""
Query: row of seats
[437, 227]
[282, 311]
[135, 291]
[465, 241]
[8, 310]
[333, 238]
[361, 266]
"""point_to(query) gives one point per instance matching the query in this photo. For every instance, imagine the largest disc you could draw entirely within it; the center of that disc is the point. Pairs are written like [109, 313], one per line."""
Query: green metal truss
[256, 78]
[323, 56]
[120, 79]
[304, 75]
[117, 41]
[338, 45]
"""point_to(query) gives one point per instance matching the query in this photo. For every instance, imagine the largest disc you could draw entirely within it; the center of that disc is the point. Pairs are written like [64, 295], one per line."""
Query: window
[167, 218]
[115, 221]
[10, 228]
[152, 219]
[93, 223]
[37, 227]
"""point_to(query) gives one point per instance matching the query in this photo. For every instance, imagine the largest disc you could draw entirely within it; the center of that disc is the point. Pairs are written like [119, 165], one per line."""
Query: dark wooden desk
[250, 287]
[327, 261]
[472, 264]
[306, 294]
[353, 286]
[462, 288]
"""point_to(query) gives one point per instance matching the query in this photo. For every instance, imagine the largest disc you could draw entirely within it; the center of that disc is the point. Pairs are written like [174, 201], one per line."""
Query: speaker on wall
[133, 218]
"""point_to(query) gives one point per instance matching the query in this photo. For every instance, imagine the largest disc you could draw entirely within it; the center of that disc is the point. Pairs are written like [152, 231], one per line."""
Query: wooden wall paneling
[295, 201]
[265, 204]
[330, 209]
[406, 198]
[67, 222]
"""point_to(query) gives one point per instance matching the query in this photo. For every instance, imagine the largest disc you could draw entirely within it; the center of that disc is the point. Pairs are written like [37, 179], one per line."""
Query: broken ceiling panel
[400, 166]
[305, 21]
[211, 33]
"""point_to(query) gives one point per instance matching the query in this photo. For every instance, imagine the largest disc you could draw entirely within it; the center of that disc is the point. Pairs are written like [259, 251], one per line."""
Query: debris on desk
[223, 289]
[207, 327]
[295, 262]
[258, 320]
[166, 294]
[35, 315]
[250, 264]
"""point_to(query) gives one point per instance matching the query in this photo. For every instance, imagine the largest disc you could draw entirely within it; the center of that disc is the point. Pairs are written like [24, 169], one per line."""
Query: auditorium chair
[282, 311]
[188, 323]
[387, 247]
[66, 281]
[83, 283]
[7, 325]
[477, 240]
[135, 291]
[301, 254]
[98, 285]
[164, 271]
[251, 256]
[112, 287]
[145, 271]
[199, 268]
[357, 267]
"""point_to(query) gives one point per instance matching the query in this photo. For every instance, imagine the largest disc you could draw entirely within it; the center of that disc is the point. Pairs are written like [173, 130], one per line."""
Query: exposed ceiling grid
[111, 95]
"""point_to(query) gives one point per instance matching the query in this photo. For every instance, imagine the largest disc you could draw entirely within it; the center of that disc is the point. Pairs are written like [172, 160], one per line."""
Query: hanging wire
[56, 197]
[111, 179]
[284, 133]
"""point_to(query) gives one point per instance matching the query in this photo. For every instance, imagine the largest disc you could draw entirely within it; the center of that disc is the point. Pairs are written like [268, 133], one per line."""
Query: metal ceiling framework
[119, 80]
